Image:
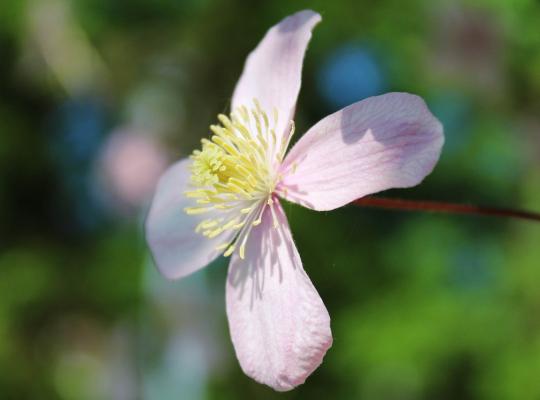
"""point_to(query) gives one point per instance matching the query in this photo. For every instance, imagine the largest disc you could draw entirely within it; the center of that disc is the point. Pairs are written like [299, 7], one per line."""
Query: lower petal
[279, 325]
[177, 249]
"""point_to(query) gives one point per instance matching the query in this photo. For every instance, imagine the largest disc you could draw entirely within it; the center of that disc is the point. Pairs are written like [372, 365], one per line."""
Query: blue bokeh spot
[350, 74]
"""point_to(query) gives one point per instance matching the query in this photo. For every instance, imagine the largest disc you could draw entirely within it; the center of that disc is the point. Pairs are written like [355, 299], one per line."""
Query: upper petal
[272, 73]
[388, 141]
[177, 249]
[279, 325]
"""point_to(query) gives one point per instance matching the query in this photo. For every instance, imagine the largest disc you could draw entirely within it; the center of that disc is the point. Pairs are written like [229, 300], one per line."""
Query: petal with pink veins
[279, 325]
[383, 142]
[272, 73]
[177, 249]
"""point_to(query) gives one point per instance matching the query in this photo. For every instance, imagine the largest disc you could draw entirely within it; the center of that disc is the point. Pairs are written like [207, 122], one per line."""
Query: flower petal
[388, 141]
[279, 325]
[177, 249]
[272, 73]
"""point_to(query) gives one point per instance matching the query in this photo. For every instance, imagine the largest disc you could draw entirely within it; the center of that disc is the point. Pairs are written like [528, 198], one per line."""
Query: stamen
[285, 141]
[274, 216]
[229, 250]
[197, 210]
[223, 246]
[234, 175]
[259, 217]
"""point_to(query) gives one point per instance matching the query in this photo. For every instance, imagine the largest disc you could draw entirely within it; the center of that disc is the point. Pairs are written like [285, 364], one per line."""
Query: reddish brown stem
[443, 207]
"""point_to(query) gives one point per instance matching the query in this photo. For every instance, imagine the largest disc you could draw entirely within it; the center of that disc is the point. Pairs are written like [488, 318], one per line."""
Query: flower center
[234, 175]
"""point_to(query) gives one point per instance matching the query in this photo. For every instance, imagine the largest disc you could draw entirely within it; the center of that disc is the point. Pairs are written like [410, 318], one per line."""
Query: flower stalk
[444, 207]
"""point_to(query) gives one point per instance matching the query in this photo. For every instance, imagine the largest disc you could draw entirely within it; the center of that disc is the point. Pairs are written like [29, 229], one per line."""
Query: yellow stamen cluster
[234, 175]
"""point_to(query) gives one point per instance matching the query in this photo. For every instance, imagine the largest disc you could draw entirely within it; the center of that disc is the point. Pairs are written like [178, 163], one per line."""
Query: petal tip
[309, 14]
[308, 18]
[287, 381]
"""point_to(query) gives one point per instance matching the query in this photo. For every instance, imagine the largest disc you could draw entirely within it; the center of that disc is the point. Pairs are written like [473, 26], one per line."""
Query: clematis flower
[225, 198]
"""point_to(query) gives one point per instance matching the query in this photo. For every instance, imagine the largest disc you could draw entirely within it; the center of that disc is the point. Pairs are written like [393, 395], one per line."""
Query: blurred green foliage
[422, 306]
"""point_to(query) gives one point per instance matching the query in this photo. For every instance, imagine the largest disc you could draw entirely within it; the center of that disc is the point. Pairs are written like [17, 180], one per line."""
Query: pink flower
[226, 199]
[130, 165]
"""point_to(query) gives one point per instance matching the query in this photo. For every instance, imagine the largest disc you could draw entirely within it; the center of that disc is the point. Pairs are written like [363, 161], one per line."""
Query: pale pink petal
[388, 141]
[272, 73]
[279, 325]
[177, 249]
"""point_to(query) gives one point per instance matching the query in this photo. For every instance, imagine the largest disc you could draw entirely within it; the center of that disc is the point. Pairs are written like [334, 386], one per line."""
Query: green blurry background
[98, 96]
